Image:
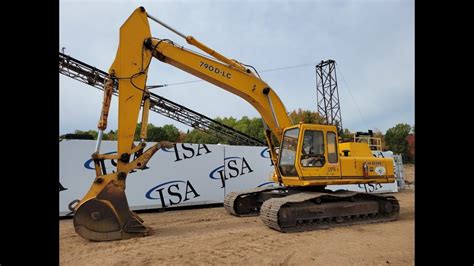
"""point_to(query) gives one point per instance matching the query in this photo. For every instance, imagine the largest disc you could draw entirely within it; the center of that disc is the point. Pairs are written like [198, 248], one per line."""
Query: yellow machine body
[356, 165]
[309, 154]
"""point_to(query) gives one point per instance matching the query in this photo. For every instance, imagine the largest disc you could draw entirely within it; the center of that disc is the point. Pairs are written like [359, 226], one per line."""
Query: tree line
[395, 139]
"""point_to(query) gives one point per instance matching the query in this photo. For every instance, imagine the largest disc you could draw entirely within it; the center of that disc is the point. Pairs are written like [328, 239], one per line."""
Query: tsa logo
[172, 192]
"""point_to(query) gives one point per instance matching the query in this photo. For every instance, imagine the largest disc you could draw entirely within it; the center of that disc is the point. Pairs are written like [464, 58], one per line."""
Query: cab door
[318, 157]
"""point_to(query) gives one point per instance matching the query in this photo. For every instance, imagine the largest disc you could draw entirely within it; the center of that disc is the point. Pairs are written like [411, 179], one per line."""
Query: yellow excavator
[309, 157]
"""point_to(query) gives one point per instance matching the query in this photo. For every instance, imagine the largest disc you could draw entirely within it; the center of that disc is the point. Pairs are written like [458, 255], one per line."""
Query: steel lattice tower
[327, 94]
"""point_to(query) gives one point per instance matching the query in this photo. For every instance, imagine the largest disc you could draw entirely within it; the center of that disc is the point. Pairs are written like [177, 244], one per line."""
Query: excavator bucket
[107, 217]
[104, 214]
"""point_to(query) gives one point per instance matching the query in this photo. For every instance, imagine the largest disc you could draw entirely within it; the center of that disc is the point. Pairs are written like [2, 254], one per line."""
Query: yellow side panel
[353, 167]
[325, 182]
[355, 149]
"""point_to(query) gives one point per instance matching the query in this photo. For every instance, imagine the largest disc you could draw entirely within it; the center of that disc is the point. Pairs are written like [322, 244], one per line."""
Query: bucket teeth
[134, 225]
[136, 216]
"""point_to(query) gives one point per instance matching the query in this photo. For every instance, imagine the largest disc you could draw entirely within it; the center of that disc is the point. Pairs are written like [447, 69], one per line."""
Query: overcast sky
[372, 43]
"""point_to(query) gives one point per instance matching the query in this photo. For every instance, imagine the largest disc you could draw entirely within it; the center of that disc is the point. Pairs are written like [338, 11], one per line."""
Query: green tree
[228, 121]
[171, 133]
[255, 129]
[242, 125]
[378, 134]
[138, 130]
[155, 134]
[250, 126]
[167, 132]
[94, 133]
[112, 135]
[197, 136]
[182, 136]
[396, 139]
[347, 135]
[306, 116]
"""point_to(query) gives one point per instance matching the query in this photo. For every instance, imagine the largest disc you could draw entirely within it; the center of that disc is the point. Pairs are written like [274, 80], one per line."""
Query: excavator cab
[309, 150]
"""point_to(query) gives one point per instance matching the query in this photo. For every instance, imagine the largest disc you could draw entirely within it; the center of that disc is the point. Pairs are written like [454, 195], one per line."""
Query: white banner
[247, 168]
[177, 176]
[189, 174]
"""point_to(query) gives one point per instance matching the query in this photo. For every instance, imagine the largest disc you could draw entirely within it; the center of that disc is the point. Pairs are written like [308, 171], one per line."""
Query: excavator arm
[103, 214]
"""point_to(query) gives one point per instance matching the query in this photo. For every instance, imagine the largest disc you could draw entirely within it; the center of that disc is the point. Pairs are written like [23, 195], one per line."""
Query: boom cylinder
[191, 40]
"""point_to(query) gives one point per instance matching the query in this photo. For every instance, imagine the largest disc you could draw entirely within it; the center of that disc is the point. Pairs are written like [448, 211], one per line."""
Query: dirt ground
[211, 236]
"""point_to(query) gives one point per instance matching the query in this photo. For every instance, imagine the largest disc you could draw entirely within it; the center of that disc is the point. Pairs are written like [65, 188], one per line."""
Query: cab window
[288, 152]
[332, 147]
[312, 152]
